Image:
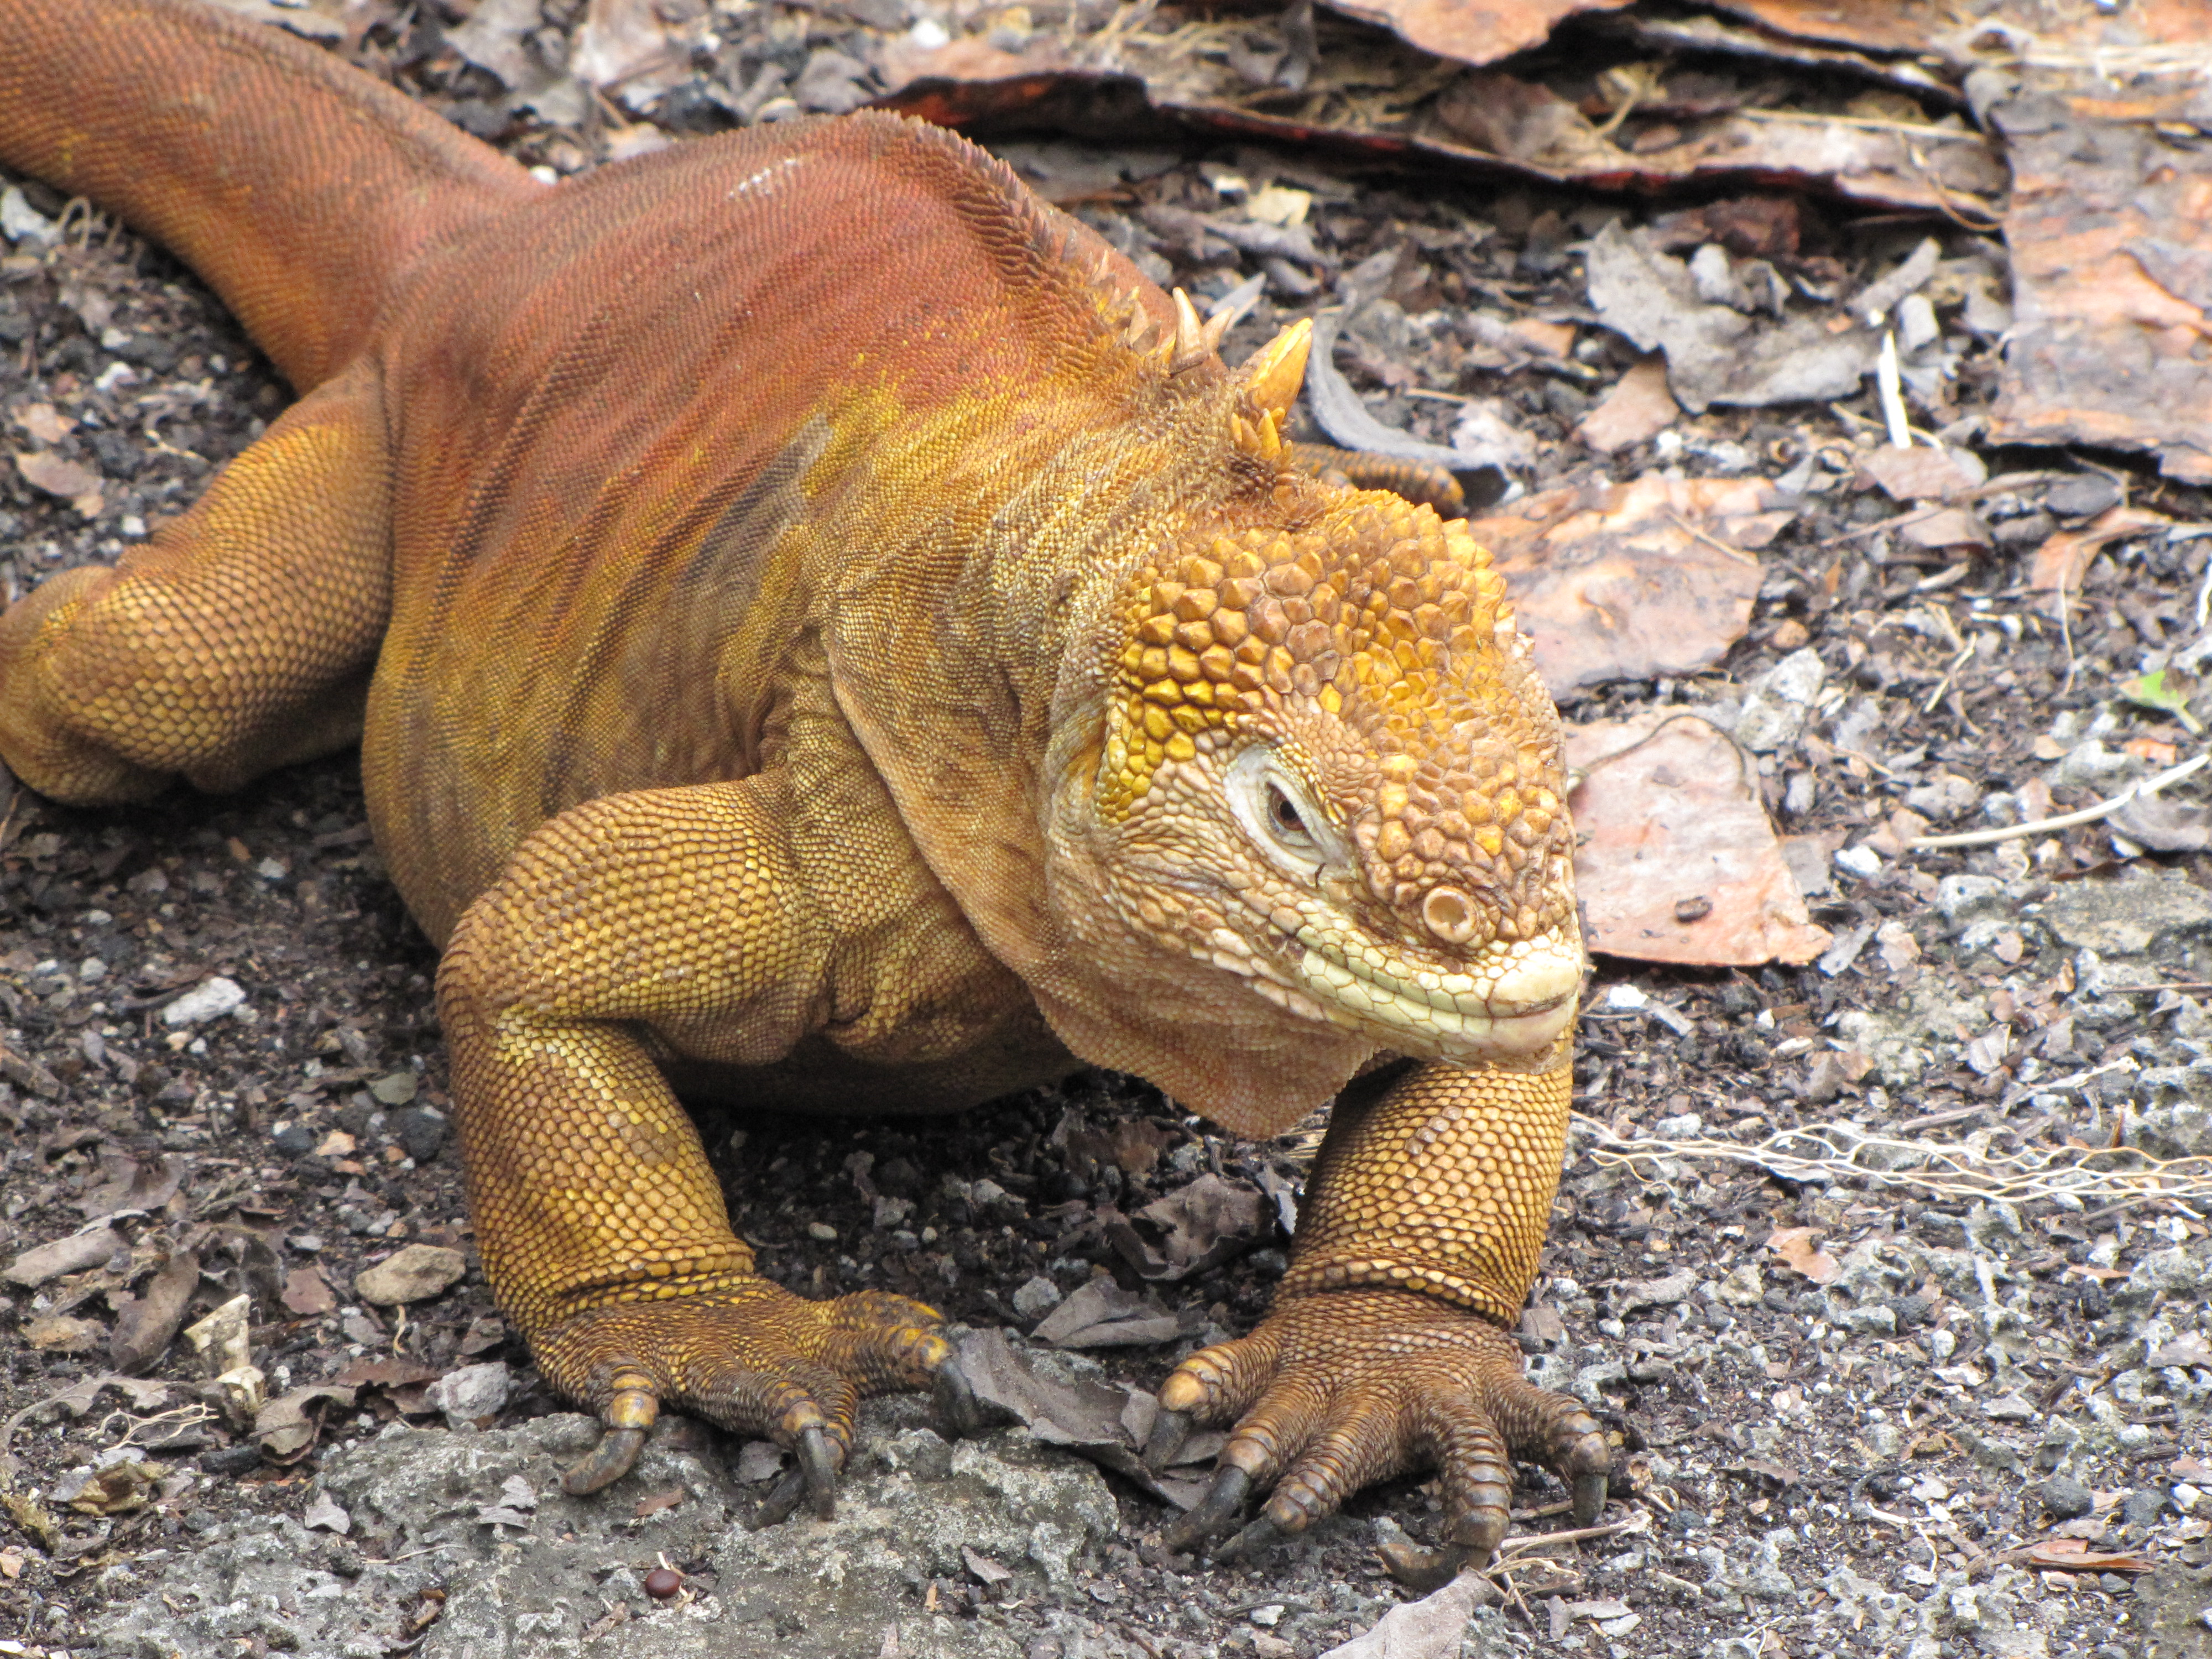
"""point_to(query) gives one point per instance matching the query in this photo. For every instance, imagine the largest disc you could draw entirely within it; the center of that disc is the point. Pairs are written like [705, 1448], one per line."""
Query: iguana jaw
[1516, 1001]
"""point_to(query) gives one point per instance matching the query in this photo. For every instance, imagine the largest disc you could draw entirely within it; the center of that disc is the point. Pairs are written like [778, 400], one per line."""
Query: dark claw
[606, 1462]
[820, 1471]
[782, 1500]
[1247, 1544]
[1170, 1431]
[1213, 1513]
[954, 1403]
[1424, 1570]
[1589, 1498]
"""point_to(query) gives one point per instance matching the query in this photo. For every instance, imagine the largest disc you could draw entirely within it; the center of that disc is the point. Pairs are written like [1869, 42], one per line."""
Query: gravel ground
[1839, 1440]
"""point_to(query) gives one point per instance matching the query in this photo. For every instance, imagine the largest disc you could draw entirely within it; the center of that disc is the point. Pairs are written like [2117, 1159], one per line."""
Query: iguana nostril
[1450, 914]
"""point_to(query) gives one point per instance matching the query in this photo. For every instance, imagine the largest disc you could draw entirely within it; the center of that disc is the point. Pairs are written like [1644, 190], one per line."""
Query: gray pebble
[2067, 1498]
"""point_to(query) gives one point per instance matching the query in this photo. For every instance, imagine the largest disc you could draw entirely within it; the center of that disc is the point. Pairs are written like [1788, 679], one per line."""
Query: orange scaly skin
[822, 629]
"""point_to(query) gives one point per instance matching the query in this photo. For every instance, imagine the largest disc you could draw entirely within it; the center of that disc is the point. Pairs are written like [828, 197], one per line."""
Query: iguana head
[1330, 769]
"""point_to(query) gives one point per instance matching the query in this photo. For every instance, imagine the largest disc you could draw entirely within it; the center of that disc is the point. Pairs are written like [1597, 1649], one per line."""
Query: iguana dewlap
[820, 627]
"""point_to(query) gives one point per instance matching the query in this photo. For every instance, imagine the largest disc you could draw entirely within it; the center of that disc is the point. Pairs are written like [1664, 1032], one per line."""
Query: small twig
[1890, 384]
[1527, 1541]
[2103, 808]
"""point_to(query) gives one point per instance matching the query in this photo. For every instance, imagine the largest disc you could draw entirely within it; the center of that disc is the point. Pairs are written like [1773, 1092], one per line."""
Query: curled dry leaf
[1717, 354]
[2063, 560]
[1798, 1250]
[1665, 809]
[1633, 580]
[1199, 1225]
[1637, 408]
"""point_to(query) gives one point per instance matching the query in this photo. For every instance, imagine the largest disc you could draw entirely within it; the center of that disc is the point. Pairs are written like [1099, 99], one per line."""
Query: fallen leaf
[1714, 353]
[1665, 808]
[145, 1326]
[2112, 265]
[117, 1489]
[2168, 690]
[2063, 559]
[62, 1333]
[1430, 1628]
[1797, 1249]
[287, 1427]
[76, 484]
[1105, 1423]
[2075, 1555]
[1101, 1315]
[1197, 1227]
[72, 1255]
[308, 1292]
[1636, 408]
[1921, 474]
[1364, 91]
[1637, 581]
[988, 1573]
[1473, 31]
[653, 1502]
[43, 424]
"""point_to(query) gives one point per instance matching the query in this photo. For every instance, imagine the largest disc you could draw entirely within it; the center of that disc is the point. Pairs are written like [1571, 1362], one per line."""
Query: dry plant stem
[1949, 1170]
[2103, 808]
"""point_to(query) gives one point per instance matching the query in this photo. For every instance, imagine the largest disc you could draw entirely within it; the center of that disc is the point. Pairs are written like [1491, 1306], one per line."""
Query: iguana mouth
[1520, 1009]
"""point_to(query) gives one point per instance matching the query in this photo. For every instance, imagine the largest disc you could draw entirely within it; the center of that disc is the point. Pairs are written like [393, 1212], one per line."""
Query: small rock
[210, 999]
[1861, 861]
[2142, 1507]
[472, 1393]
[324, 1514]
[2081, 497]
[414, 1274]
[395, 1090]
[822, 1232]
[1036, 1298]
[2067, 1498]
[421, 1132]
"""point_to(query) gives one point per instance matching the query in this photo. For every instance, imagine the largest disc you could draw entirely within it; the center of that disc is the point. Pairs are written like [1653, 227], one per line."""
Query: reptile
[822, 630]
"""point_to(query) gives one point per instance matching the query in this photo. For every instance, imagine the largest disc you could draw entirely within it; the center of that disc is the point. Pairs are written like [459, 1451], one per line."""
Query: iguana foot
[1341, 1389]
[742, 1352]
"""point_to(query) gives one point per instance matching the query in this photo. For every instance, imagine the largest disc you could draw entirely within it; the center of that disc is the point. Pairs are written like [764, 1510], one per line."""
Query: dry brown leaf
[1198, 1226]
[1796, 1249]
[1954, 28]
[307, 1293]
[2075, 1555]
[1921, 474]
[2062, 561]
[1370, 92]
[62, 1333]
[1473, 31]
[145, 1326]
[1636, 581]
[2111, 261]
[1637, 408]
[1666, 812]
[653, 1502]
[43, 424]
[77, 484]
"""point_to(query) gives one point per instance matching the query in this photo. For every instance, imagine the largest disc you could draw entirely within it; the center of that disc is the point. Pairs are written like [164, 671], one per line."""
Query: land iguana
[823, 630]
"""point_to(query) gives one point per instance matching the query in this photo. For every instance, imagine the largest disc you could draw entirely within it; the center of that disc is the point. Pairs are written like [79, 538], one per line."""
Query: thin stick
[2103, 808]
[1891, 385]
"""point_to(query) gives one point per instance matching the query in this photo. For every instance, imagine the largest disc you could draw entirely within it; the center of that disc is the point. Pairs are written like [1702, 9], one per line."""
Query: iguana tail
[300, 189]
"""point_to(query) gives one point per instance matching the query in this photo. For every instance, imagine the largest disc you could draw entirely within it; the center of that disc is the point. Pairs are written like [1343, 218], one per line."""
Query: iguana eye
[1271, 804]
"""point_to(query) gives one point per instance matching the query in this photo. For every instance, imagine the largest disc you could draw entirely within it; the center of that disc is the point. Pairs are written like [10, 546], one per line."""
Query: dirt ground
[1903, 1416]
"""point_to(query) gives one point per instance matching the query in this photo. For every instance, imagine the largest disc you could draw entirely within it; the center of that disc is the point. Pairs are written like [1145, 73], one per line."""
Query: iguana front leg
[680, 911]
[1389, 1346]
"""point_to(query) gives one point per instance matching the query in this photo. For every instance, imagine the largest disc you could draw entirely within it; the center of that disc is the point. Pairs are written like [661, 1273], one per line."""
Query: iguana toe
[745, 1353]
[1337, 1390]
